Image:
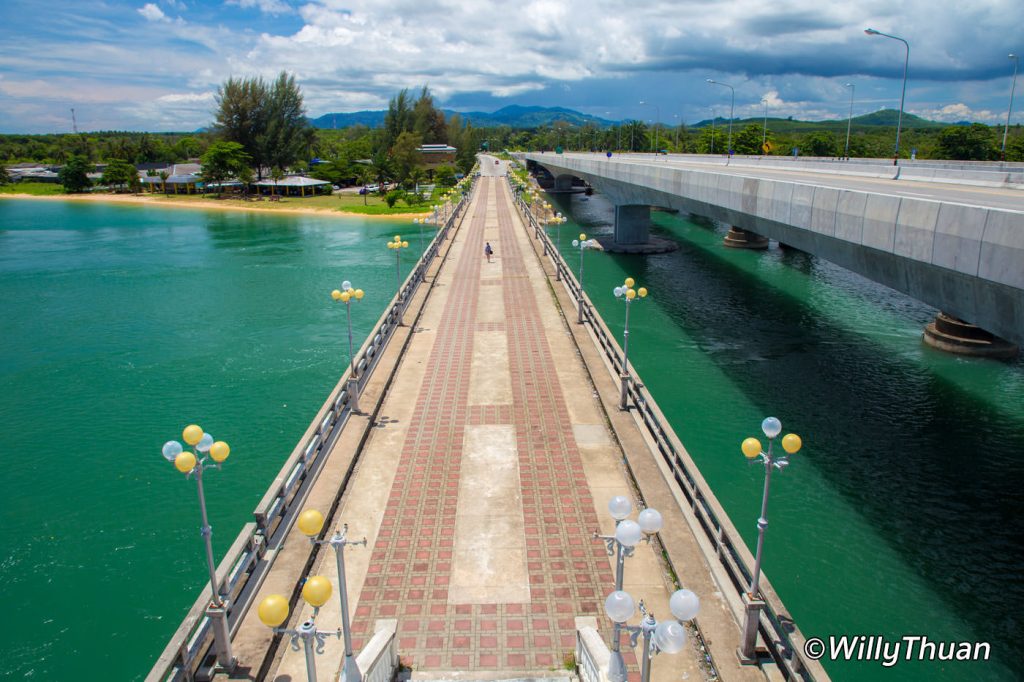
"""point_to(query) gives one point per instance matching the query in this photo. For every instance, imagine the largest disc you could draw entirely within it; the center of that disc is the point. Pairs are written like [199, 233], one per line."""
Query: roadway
[969, 195]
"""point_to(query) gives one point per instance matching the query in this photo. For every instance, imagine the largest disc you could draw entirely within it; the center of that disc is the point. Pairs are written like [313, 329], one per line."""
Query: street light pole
[906, 64]
[849, 119]
[273, 611]
[657, 122]
[398, 245]
[668, 636]
[310, 523]
[583, 245]
[751, 448]
[732, 108]
[712, 130]
[628, 294]
[345, 295]
[193, 464]
[1013, 87]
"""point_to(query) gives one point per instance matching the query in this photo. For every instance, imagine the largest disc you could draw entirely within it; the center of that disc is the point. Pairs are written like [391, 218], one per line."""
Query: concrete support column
[563, 183]
[953, 335]
[739, 238]
[632, 224]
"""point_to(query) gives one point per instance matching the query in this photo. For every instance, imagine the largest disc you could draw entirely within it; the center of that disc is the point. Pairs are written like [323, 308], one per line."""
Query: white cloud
[152, 12]
[265, 6]
[953, 113]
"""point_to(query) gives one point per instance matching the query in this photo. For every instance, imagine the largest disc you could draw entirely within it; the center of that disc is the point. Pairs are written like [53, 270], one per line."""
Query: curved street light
[849, 120]
[906, 64]
[582, 244]
[193, 464]
[1013, 87]
[732, 107]
[751, 448]
[397, 244]
[345, 295]
[764, 130]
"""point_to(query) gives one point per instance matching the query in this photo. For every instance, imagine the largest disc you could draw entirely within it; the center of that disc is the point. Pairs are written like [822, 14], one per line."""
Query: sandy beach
[214, 204]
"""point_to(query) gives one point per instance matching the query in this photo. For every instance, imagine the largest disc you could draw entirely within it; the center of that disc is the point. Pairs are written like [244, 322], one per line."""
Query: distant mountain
[878, 119]
[513, 116]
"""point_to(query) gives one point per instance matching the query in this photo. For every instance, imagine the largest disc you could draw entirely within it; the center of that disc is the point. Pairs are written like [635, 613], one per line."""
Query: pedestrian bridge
[950, 237]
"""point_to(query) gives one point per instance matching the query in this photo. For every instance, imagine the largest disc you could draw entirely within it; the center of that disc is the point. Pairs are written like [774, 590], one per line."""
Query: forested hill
[513, 116]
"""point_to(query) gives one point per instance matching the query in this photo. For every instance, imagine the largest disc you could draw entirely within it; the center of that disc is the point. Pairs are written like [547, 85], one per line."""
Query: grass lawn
[40, 189]
[346, 203]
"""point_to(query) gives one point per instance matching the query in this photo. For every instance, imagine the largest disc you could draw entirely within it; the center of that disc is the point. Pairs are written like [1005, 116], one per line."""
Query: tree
[118, 173]
[288, 135]
[4, 176]
[74, 174]
[445, 176]
[711, 141]
[241, 116]
[748, 140]
[405, 155]
[636, 133]
[221, 161]
[819, 143]
[399, 118]
[163, 181]
[276, 174]
[967, 143]
[427, 121]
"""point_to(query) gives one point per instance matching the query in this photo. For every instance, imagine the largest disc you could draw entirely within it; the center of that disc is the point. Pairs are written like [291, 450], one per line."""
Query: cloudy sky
[156, 65]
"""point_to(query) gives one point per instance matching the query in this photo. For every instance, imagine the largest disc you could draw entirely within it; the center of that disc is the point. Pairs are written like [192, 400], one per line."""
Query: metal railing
[244, 567]
[778, 631]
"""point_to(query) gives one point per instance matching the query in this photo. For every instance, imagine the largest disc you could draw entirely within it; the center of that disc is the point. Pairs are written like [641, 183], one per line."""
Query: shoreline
[212, 204]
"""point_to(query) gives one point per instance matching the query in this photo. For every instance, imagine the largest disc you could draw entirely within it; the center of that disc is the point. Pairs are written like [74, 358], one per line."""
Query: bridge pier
[738, 238]
[563, 183]
[633, 232]
[953, 335]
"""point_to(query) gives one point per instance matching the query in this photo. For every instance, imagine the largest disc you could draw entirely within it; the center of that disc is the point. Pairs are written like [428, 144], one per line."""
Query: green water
[122, 325]
[903, 513]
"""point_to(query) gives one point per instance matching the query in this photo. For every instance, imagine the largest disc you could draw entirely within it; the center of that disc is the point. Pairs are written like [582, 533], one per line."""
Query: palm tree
[276, 174]
[163, 181]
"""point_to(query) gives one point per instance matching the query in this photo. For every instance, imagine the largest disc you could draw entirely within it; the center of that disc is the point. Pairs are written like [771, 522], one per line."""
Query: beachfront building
[435, 155]
[293, 186]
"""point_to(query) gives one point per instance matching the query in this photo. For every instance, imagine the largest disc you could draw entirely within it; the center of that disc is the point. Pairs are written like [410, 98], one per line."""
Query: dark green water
[903, 513]
[121, 326]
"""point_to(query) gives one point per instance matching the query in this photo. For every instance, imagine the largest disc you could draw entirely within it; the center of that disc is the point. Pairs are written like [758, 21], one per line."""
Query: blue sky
[156, 65]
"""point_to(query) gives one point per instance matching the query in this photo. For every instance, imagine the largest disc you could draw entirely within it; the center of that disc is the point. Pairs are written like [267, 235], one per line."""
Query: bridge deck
[490, 463]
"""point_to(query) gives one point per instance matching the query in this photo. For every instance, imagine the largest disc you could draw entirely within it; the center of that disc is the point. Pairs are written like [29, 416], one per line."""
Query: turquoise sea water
[122, 324]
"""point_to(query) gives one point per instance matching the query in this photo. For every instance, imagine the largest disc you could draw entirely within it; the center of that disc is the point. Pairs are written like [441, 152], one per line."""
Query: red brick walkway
[411, 565]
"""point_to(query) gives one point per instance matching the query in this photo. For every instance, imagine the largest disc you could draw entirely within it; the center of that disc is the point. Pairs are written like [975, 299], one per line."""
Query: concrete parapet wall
[965, 260]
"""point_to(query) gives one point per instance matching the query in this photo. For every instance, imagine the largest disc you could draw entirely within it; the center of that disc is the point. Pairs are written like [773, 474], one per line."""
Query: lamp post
[558, 220]
[419, 222]
[751, 448]
[764, 129]
[712, 130]
[668, 636]
[657, 122]
[310, 523]
[732, 108]
[397, 244]
[906, 64]
[273, 611]
[628, 294]
[345, 295]
[677, 127]
[849, 120]
[1013, 87]
[193, 464]
[582, 244]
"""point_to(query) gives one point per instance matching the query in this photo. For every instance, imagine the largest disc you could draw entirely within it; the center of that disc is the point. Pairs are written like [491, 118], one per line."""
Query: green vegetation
[38, 189]
[74, 174]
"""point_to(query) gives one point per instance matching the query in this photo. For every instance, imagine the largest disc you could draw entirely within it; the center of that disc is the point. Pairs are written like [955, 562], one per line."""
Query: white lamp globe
[650, 520]
[171, 449]
[204, 443]
[684, 604]
[620, 507]
[670, 637]
[619, 291]
[575, 242]
[771, 427]
[628, 533]
[619, 606]
[346, 285]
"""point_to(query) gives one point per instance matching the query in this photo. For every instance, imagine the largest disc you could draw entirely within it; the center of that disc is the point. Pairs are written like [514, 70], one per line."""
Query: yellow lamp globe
[317, 590]
[345, 296]
[185, 462]
[631, 294]
[642, 291]
[629, 282]
[405, 245]
[273, 610]
[359, 293]
[583, 237]
[192, 434]
[311, 522]
[751, 448]
[398, 237]
[219, 451]
[791, 443]
[391, 245]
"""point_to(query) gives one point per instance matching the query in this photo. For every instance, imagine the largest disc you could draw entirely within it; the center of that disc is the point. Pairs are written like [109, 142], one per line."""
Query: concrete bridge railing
[963, 259]
[730, 561]
[250, 557]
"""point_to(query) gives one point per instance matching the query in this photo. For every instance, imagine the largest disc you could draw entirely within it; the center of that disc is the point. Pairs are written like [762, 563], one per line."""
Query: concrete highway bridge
[486, 446]
[950, 235]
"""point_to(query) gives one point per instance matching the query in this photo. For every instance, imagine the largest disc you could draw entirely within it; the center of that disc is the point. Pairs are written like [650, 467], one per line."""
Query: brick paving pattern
[411, 565]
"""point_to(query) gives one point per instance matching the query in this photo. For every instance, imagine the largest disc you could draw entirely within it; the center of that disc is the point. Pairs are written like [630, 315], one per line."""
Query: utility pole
[74, 124]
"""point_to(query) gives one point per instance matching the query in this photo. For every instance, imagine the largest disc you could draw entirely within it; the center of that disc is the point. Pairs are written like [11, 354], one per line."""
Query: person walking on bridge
[488, 251]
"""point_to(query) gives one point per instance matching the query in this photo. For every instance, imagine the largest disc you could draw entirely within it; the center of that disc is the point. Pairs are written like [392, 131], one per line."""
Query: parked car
[369, 189]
